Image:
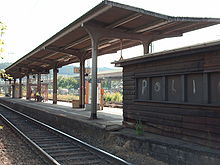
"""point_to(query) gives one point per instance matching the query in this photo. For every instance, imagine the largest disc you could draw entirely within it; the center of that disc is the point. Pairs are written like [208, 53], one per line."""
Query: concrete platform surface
[108, 118]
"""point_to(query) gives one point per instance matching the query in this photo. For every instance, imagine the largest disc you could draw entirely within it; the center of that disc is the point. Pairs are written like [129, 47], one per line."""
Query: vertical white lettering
[173, 86]
[144, 86]
[194, 87]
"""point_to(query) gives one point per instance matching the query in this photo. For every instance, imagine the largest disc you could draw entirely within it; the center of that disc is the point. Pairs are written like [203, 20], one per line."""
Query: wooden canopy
[119, 26]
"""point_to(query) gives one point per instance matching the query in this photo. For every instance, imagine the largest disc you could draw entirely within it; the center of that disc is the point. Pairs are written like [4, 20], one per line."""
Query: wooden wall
[178, 96]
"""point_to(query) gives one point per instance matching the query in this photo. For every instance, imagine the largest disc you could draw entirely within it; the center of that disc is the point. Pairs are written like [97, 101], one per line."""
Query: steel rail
[50, 159]
[98, 152]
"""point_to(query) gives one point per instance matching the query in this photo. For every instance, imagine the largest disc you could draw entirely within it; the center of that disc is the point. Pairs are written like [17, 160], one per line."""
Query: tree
[67, 82]
[2, 31]
[3, 28]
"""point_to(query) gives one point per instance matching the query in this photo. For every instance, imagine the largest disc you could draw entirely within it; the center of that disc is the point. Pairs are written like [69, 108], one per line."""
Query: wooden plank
[185, 111]
[129, 83]
[215, 121]
[198, 121]
[153, 129]
[172, 127]
[174, 120]
[129, 88]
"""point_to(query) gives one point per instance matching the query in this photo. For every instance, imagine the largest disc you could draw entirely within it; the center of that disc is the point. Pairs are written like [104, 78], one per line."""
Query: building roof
[188, 50]
[118, 21]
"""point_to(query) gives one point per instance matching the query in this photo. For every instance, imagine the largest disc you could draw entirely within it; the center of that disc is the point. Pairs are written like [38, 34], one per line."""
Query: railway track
[57, 147]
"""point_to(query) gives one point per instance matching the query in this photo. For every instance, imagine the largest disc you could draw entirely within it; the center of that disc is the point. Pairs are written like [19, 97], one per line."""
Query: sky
[31, 22]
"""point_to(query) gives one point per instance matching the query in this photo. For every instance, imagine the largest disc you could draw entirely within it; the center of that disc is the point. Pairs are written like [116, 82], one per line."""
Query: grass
[113, 97]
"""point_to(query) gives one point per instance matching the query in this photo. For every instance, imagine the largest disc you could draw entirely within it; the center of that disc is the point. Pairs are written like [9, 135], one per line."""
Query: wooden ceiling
[129, 25]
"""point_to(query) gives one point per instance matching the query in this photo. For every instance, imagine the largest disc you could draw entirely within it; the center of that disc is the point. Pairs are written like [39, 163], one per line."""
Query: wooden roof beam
[112, 33]
[32, 68]
[180, 27]
[151, 26]
[72, 52]
[114, 25]
[76, 42]
[124, 20]
[51, 62]
[111, 26]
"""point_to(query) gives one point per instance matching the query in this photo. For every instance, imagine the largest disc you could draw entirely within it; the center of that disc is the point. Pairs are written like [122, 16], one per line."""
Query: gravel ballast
[13, 151]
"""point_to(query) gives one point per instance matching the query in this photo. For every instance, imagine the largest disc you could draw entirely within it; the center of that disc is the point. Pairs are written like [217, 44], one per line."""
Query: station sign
[77, 70]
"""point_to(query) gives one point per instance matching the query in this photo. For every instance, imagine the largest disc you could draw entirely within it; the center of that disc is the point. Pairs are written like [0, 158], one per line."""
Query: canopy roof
[117, 22]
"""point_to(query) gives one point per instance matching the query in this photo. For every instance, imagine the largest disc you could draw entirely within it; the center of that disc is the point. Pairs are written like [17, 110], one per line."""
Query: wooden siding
[192, 113]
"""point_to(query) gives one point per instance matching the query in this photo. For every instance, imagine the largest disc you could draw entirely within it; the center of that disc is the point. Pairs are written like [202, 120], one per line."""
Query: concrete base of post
[93, 116]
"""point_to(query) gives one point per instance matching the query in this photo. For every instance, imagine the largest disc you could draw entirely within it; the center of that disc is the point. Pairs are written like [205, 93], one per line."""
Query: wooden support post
[55, 71]
[206, 88]
[150, 88]
[82, 84]
[39, 83]
[184, 88]
[27, 88]
[164, 88]
[20, 87]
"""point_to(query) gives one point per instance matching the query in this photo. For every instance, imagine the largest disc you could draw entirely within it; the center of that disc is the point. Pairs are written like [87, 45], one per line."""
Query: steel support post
[5, 87]
[55, 71]
[20, 87]
[9, 88]
[13, 89]
[146, 47]
[94, 78]
[27, 88]
[39, 83]
[82, 84]
[95, 35]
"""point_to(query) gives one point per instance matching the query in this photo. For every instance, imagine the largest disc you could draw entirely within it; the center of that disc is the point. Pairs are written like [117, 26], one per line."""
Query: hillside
[68, 70]
[65, 70]
[5, 65]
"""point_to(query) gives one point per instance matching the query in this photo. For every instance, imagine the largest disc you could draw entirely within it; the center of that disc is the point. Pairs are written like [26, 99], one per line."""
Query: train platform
[108, 129]
[108, 118]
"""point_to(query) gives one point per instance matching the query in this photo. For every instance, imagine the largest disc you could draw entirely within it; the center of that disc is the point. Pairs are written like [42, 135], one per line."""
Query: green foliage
[67, 82]
[139, 128]
[2, 31]
[3, 75]
[113, 97]
[3, 28]
[108, 97]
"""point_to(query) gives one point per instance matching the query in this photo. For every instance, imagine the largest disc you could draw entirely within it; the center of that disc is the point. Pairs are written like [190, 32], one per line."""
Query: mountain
[69, 70]
[5, 65]
[105, 69]
[65, 70]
